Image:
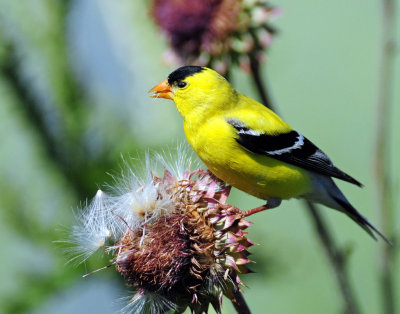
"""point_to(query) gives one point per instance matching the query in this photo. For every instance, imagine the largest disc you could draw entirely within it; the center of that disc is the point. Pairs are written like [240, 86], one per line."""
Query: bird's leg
[271, 203]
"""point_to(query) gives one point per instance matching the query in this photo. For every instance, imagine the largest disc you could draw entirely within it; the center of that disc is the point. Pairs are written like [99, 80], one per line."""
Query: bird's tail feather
[360, 219]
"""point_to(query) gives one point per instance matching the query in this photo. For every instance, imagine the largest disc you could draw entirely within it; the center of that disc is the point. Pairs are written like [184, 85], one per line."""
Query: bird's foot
[271, 203]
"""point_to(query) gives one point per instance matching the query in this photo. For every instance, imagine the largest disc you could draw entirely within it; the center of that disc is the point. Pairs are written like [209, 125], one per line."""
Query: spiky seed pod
[214, 33]
[173, 238]
[193, 255]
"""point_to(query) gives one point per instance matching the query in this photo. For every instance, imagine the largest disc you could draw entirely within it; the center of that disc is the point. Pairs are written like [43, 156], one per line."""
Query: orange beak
[162, 90]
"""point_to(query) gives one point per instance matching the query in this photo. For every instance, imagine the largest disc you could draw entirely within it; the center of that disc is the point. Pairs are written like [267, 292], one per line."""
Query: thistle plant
[172, 237]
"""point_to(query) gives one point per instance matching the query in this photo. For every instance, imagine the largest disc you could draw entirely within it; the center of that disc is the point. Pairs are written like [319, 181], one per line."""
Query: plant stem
[337, 259]
[239, 303]
[54, 149]
[65, 149]
[261, 86]
[334, 254]
[382, 158]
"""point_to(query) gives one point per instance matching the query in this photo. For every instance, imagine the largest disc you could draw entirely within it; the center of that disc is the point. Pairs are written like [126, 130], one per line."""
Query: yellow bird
[250, 147]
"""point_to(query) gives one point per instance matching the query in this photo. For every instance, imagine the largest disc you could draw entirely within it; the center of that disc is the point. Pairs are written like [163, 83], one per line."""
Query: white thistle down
[134, 201]
[146, 303]
[178, 160]
[94, 228]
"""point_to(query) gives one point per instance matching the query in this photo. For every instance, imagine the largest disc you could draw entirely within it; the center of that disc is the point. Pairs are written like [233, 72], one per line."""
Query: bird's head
[196, 91]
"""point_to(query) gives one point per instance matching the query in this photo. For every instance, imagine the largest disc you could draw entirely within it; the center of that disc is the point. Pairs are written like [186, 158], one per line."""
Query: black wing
[292, 148]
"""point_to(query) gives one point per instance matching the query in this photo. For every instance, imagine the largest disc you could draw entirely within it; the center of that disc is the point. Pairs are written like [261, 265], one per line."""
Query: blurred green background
[74, 77]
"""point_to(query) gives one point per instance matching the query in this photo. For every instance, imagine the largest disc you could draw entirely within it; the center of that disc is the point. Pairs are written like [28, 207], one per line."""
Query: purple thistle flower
[214, 33]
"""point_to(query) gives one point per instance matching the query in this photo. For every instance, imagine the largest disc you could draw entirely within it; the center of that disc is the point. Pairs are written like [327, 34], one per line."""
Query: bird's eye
[181, 84]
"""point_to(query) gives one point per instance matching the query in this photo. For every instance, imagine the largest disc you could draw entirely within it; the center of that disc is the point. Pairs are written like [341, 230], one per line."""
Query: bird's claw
[271, 203]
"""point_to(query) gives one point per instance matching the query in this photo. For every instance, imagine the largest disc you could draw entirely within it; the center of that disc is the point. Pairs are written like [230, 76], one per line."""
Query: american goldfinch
[250, 147]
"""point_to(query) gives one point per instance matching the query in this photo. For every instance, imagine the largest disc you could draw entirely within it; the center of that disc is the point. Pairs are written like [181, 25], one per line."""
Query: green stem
[337, 259]
[239, 303]
[382, 158]
[261, 86]
[56, 148]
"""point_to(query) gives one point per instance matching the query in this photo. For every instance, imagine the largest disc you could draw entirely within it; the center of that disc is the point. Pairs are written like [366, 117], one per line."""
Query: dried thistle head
[214, 33]
[172, 237]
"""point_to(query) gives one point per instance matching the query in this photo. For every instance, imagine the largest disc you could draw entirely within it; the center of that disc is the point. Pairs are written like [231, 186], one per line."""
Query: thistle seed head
[188, 253]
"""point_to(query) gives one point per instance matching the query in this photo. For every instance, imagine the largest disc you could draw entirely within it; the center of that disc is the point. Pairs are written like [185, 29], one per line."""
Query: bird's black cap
[183, 72]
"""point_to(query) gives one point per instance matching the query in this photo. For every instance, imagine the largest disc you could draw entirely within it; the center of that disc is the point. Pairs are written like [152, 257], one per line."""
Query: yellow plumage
[214, 142]
[250, 147]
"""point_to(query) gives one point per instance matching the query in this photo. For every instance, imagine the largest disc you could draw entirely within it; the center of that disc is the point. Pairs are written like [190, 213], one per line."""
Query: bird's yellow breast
[205, 104]
[259, 175]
